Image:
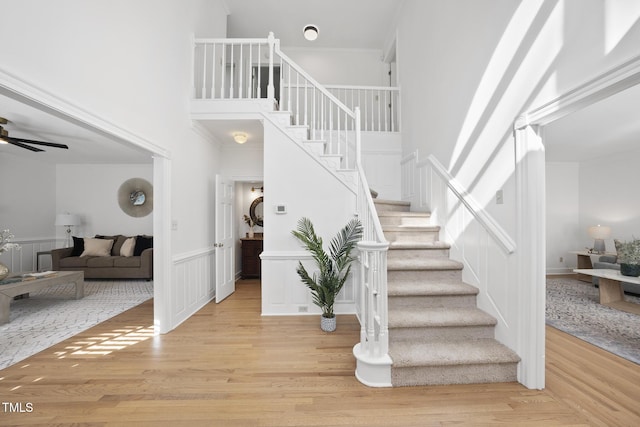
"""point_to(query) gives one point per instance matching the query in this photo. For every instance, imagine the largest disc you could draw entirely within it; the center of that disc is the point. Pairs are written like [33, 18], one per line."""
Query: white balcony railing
[379, 105]
[237, 69]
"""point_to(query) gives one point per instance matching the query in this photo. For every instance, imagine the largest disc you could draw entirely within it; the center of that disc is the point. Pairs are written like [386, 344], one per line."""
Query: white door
[225, 276]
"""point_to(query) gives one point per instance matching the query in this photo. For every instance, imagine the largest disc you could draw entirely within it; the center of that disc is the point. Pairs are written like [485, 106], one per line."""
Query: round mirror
[256, 211]
[137, 198]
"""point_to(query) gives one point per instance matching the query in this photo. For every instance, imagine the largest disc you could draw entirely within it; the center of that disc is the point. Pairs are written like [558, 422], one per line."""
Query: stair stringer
[346, 176]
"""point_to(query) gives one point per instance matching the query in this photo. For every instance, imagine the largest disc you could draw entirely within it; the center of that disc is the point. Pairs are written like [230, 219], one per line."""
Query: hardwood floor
[229, 366]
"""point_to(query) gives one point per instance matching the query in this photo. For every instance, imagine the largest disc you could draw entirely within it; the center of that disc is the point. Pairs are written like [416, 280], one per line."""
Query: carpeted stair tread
[424, 264]
[391, 202]
[439, 317]
[449, 353]
[430, 289]
[419, 245]
[413, 228]
[405, 214]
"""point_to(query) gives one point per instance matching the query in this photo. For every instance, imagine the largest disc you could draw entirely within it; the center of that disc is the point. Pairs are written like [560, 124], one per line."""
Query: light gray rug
[572, 307]
[52, 314]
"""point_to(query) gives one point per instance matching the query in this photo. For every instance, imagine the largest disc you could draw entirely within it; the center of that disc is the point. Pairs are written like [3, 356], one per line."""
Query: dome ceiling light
[310, 32]
[240, 137]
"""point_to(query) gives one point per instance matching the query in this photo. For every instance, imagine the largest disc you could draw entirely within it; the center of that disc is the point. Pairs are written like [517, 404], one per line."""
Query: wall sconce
[240, 137]
[310, 32]
[254, 189]
[599, 233]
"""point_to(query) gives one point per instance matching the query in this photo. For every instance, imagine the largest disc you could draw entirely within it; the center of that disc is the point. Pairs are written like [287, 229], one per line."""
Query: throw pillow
[97, 247]
[142, 243]
[78, 246]
[128, 246]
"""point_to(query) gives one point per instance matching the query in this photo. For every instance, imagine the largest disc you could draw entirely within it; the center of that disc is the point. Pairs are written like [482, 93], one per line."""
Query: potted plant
[629, 257]
[334, 267]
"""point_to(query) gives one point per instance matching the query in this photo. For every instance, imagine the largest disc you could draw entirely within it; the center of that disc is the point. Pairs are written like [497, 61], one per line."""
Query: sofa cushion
[117, 245]
[73, 262]
[97, 247]
[127, 247]
[78, 246]
[100, 261]
[127, 262]
[142, 243]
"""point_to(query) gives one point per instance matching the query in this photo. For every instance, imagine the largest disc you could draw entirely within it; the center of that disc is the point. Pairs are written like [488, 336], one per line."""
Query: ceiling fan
[23, 143]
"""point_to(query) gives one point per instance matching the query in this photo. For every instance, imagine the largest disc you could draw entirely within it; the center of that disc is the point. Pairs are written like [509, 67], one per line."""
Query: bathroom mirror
[256, 211]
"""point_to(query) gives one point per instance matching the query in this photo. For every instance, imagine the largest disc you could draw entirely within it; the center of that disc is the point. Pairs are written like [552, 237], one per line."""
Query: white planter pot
[328, 324]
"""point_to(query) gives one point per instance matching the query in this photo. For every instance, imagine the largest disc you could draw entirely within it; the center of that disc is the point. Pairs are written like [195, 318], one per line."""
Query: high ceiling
[610, 126]
[351, 24]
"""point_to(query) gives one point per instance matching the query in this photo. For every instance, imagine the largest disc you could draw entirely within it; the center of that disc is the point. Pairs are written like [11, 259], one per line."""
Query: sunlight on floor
[108, 342]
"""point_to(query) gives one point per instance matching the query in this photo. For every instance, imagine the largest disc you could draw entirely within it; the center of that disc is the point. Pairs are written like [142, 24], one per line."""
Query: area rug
[572, 307]
[52, 314]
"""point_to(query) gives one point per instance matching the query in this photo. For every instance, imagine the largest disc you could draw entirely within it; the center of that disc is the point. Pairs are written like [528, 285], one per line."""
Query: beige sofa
[112, 266]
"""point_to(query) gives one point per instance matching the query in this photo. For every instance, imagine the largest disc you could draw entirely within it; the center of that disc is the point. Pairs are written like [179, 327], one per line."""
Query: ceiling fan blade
[21, 145]
[30, 141]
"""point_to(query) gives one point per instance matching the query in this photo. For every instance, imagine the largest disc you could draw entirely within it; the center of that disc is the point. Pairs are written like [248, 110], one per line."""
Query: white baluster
[223, 65]
[231, 72]
[213, 71]
[204, 71]
[270, 88]
[240, 83]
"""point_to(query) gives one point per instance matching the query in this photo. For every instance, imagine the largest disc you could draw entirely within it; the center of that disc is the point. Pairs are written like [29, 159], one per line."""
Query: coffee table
[610, 287]
[7, 292]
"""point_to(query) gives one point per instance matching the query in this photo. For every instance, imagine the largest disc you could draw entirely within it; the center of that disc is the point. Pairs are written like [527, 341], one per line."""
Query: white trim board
[531, 208]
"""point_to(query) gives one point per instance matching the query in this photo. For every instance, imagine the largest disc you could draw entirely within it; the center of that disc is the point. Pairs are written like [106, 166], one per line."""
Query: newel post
[270, 88]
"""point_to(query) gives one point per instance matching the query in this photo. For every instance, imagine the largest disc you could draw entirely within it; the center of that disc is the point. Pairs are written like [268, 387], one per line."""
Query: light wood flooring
[229, 366]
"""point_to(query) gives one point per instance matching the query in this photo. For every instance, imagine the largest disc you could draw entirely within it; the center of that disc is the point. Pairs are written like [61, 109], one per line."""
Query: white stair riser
[283, 118]
[411, 236]
[316, 147]
[432, 276]
[400, 220]
[417, 253]
[457, 374]
[298, 133]
[332, 162]
[439, 333]
[424, 301]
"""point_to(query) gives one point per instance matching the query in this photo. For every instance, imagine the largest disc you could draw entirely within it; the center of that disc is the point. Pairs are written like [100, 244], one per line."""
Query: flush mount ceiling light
[240, 137]
[310, 32]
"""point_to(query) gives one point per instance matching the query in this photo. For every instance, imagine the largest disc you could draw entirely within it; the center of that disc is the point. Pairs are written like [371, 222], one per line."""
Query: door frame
[531, 209]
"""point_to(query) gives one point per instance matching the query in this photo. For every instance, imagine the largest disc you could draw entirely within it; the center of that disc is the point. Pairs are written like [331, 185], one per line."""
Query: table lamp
[67, 220]
[599, 233]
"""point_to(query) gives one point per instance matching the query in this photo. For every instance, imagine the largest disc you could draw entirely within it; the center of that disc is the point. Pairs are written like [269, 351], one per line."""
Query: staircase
[437, 335]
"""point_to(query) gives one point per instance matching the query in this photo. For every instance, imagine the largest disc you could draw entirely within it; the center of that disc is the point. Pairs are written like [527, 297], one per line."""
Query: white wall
[27, 197]
[27, 209]
[381, 157]
[460, 98]
[342, 66]
[91, 191]
[608, 197]
[129, 63]
[307, 190]
[564, 232]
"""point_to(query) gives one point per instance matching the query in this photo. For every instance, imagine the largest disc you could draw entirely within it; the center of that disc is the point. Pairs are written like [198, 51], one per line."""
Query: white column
[530, 253]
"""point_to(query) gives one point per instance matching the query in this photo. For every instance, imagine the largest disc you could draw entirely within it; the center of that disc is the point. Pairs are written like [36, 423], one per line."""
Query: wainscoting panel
[26, 259]
[192, 284]
[284, 294]
[476, 240]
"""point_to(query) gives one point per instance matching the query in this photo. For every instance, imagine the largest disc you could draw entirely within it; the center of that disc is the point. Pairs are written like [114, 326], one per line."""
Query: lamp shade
[67, 219]
[599, 232]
